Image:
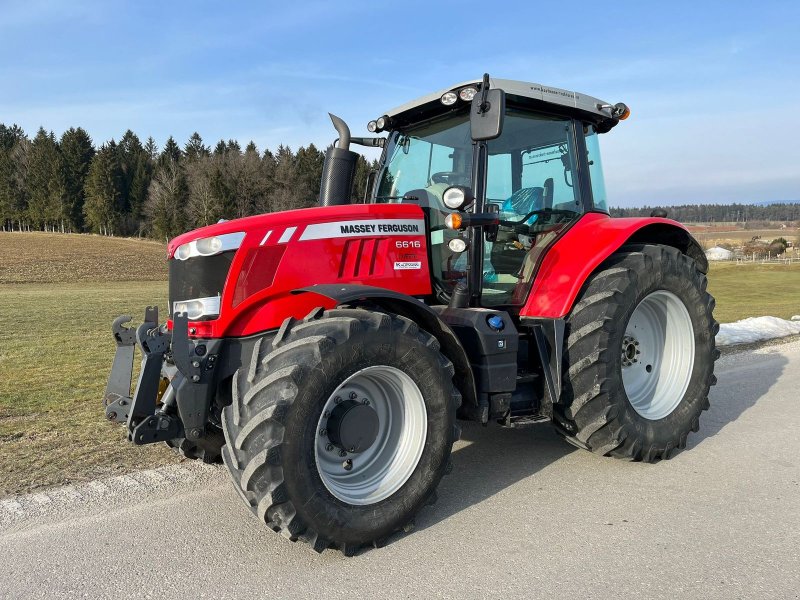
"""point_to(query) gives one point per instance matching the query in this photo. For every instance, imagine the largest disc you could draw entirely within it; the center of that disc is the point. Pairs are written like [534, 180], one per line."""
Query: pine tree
[171, 152]
[45, 183]
[13, 154]
[136, 170]
[151, 149]
[195, 149]
[102, 191]
[360, 181]
[77, 152]
[309, 172]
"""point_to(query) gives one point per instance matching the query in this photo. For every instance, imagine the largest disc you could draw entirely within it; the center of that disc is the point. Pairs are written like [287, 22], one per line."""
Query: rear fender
[584, 247]
[411, 308]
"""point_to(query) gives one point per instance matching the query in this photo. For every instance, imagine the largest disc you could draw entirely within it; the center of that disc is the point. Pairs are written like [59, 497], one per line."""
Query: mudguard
[407, 306]
[591, 240]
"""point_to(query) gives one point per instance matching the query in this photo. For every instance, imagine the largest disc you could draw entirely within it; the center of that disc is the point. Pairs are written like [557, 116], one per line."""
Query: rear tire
[639, 356]
[274, 437]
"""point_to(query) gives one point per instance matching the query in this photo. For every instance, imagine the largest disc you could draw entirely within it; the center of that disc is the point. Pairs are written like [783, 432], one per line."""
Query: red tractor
[327, 354]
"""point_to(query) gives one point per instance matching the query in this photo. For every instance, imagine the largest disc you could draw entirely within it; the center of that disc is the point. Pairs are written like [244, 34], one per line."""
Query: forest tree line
[127, 187]
[719, 213]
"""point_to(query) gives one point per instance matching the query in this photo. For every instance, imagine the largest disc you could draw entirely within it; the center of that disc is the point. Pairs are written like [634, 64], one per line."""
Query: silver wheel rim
[658, 355]
[380, 470]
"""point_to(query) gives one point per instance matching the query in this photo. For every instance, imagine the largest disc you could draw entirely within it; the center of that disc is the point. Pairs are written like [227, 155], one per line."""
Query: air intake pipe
[339, 169]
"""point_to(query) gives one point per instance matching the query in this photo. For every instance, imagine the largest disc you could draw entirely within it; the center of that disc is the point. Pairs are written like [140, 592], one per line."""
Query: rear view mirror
[486, 114]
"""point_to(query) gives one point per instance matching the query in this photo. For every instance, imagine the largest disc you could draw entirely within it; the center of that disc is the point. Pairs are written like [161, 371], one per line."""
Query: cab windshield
[531, 181]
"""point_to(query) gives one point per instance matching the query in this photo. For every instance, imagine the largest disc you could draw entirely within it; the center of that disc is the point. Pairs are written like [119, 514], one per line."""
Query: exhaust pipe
[339, 169]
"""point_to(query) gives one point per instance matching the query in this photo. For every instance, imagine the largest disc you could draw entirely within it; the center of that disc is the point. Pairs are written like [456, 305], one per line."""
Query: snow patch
[756, 329]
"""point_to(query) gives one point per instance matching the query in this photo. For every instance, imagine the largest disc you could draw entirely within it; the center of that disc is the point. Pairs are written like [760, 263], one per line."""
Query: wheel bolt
[348, 464]
[366, 402]
[342, 453]
[353, 395]
[326, 414]
[323, 432]
[337, 400]
[329, 447]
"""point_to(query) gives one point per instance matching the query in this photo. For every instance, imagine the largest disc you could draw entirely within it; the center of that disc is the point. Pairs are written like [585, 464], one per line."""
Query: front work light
[449, 98]
[209, 246]
[197, 307]
[467, 93]
[372, 126]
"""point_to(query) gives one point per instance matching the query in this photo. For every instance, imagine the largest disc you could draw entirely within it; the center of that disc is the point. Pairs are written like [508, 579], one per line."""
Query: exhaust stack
[339, 169]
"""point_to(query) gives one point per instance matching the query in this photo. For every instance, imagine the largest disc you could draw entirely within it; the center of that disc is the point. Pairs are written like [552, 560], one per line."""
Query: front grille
[198, 277]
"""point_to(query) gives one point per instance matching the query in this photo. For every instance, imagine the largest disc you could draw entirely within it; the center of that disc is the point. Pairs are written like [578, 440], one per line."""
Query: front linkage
[175, 385]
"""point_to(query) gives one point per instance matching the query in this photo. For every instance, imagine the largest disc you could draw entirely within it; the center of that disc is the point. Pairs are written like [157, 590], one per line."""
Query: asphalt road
[522, 515]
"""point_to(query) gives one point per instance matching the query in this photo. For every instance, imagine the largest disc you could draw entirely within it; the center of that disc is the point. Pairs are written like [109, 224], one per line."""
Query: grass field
[738, 237]
[753, 290]
[58, 296]
[55, 352]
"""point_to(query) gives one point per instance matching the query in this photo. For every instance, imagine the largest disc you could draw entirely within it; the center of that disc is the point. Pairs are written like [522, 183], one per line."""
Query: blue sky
[714, 88]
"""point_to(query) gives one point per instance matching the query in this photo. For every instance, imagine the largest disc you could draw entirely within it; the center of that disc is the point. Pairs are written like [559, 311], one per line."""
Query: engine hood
[260, 224]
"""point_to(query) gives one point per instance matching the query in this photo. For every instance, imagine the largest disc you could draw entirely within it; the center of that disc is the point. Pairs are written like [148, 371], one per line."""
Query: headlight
[197, 308]
[467, 93]
[209, 246]
[457, 197]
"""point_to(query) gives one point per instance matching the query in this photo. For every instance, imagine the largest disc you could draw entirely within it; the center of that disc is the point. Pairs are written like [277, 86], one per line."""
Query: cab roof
[522, 92]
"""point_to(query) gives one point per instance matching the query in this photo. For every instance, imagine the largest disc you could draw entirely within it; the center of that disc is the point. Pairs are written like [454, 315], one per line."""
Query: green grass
[754, 290]
[55, 353]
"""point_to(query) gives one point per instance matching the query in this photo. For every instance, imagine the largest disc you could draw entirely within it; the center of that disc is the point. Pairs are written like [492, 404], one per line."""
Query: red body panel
[574, 256]
[382, 245]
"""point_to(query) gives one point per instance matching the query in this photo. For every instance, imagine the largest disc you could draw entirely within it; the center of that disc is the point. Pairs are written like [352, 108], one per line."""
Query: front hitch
[144, 423]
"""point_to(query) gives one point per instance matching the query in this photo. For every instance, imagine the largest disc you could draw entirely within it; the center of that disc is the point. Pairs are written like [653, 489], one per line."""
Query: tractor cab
[539, 173]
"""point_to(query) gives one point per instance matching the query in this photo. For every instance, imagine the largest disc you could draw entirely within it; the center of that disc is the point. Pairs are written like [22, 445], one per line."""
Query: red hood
[290, 217]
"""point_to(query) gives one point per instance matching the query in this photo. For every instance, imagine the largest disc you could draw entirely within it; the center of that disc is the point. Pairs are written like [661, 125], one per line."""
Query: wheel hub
[657, 354]
[630, 351]
[352, 426]
[370, 435]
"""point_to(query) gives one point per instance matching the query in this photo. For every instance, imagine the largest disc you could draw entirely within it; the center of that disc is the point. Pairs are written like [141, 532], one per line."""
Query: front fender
[590, 241]
[420, 313]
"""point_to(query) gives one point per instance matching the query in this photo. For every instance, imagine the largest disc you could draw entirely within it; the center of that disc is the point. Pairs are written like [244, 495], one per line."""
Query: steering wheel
[445, 176]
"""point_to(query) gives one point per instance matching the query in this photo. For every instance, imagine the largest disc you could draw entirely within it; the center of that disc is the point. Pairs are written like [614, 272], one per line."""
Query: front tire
[341, 427]
[639, 356]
